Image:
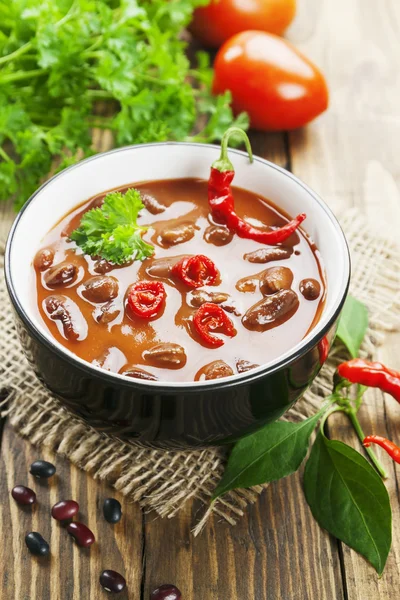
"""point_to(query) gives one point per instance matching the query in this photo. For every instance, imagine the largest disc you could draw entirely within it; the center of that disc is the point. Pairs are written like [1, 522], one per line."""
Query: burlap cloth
[165, 480]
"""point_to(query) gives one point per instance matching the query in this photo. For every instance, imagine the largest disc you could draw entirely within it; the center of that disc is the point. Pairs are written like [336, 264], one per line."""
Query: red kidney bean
[62, 274]
[112, 581]
[310, 288]
[214, 370]
[166, 592]
[23, 495]
[81, 534]
[100, 289]
[137, 373]
[265, 255]
[63, 309]
[243, 366]
[218, 235]
[183, 232]
[44, 259]
[106, 314]
[167, 355]
[42, 469]
[152, 204]
[271, 311]
[64, 510]
[37, 544]
[275, 279]
[112, 510]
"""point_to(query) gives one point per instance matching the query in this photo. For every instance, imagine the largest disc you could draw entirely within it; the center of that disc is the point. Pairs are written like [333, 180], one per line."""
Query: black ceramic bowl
[178, 414]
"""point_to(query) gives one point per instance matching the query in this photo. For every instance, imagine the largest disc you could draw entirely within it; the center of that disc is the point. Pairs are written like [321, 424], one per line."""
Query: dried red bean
[44, 259]
[166, 592]
[100, 289]
[42, 469]
[37, 545]
[112, 510]
[64, 510]
[23, 495]
[137, 373]
[81, 534]
[112, 581]
[62, 274]
[265, 255]
[152, 204]
[243, 366]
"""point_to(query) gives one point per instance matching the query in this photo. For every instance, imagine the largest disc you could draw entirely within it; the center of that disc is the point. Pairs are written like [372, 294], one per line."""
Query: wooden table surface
[351, 156]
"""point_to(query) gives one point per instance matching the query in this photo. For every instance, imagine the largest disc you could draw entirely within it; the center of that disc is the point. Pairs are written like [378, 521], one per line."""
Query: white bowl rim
[301, 348]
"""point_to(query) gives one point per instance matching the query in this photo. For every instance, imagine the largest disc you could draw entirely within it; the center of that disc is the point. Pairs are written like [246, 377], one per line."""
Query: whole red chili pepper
[196, 271]
[323, 349]
[146, 298]
[210, 317]
[390, 447]
[372, 374]
[221, 202]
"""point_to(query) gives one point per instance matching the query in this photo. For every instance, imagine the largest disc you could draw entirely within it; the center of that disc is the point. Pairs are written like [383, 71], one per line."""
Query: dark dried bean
[42, 469]
[81, 534]
[64, 510]
[112, 581]
[177, 235]
[218, 235]
[265, 255]
[243, 366]
[37, 545]
[152, 204]
[161, 267]
[200, 297]
[44, 259]
[275, 279]
[271, 311]
[247, 284]
[112, 510]
[100, 289]
[166, 592]
[310, 288]
[59, 275]
[106, 314]
[60, 308]
[137, 373]
[102, 266]
[23, 495]
[169, 356]
[214, 370]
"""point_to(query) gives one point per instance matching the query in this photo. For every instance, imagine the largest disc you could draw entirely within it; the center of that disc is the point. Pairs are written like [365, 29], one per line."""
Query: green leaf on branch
[348, 498]
[353, 325]
[277, 450]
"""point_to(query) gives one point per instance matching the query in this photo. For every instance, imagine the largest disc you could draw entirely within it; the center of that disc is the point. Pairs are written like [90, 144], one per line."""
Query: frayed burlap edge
[165, 480]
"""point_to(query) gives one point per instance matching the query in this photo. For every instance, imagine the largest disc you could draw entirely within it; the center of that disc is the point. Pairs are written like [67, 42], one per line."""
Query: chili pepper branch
[344, 490]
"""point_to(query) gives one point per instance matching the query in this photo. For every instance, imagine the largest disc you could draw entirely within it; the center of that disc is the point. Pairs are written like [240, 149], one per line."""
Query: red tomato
[271, 80]
[213, 24]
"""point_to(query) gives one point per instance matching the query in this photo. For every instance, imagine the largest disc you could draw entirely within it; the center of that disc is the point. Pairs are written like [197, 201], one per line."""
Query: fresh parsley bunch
[67, 66]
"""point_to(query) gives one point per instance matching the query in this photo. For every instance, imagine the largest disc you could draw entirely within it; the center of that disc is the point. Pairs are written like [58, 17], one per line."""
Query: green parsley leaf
[112, 232]
[60, 58]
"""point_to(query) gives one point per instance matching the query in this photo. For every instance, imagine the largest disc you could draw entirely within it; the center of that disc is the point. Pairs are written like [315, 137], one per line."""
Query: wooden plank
[275, 550]
[70, 573]
[350, 156]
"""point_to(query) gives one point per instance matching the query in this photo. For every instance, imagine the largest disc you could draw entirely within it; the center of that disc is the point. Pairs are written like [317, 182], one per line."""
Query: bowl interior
[169, 161]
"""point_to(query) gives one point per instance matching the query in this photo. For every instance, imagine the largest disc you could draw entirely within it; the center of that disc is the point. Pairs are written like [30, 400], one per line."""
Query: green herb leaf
[112, 232]
[59, 58]
[353, 325]
[347, 497]
[277, 450]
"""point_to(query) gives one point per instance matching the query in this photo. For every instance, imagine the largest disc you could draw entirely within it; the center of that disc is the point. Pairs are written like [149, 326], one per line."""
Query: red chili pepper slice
[390, 447]
[196, 271]
[211, 317]
[372, 374]
[146, 298]
[221, 202]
